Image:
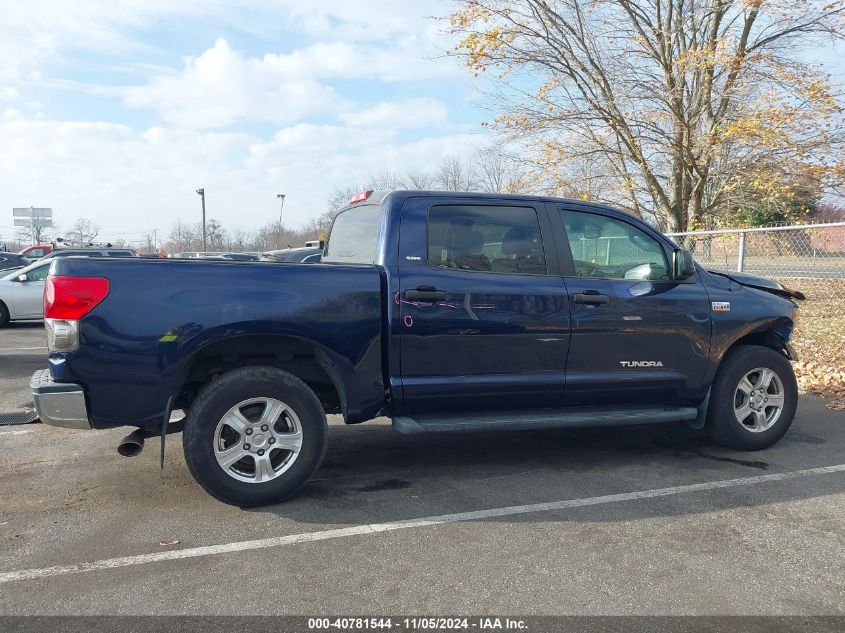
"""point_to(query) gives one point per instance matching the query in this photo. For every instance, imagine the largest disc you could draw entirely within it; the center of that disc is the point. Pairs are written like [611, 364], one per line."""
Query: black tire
[722, 420]
[221, 395]
[4, 315]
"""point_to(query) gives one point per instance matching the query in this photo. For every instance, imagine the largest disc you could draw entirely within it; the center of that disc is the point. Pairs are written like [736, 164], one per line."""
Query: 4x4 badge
[721, 306]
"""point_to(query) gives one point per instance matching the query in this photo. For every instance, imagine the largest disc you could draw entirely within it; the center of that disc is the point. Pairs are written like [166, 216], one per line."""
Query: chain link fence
[809, 258]
[806, 257]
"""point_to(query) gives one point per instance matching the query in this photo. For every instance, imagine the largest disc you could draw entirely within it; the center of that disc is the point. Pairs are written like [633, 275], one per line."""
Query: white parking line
[375, 528]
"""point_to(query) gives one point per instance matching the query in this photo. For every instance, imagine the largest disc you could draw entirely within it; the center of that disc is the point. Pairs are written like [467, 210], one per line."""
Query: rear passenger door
[482, 310]
[637, 335]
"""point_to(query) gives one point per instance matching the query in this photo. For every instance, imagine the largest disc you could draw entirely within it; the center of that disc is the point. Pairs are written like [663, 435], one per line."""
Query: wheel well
[767, 338]
[292, 355]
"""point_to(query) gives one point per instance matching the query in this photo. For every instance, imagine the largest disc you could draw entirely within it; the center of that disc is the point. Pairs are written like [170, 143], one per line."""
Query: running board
[542, 419]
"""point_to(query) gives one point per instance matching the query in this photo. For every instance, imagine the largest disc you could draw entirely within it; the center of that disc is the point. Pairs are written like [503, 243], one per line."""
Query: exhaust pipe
[132, 444]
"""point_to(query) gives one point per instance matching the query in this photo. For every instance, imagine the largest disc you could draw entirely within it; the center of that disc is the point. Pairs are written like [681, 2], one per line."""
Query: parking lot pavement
[638, 520]
[22, 351]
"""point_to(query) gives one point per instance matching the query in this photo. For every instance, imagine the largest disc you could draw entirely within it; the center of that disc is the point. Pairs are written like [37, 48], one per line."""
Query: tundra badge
[721, 306]
[641, 363]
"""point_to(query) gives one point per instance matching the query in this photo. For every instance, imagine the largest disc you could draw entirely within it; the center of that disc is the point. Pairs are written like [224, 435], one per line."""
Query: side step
[580, 417]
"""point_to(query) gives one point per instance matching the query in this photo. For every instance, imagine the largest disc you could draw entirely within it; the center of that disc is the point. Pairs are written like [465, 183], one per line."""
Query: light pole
[202, 195]
[281, 197]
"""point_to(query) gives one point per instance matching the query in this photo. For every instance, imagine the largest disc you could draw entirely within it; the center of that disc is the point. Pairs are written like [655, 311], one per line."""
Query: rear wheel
[254, 436]
[753, 399]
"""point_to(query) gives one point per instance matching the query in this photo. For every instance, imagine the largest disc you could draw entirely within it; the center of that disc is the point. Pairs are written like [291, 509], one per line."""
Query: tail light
[71, 298]
[66, 300]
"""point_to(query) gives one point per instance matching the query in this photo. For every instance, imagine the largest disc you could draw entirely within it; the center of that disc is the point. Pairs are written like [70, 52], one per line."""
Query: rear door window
[493, 239]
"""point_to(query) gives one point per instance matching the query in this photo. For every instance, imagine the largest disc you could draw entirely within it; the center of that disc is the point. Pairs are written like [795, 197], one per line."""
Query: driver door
[637, 335]
[28, 296]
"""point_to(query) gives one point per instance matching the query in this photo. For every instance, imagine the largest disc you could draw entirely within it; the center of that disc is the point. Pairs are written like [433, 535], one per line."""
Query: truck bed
[167, 311]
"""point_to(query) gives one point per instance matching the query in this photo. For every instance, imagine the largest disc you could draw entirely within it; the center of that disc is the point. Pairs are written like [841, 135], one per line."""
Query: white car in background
[22, 293]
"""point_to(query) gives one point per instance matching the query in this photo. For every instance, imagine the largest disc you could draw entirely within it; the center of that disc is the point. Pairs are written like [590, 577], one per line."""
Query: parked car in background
[90, 252]
[306, 255]
[11, 261]
[36, 251]
[22, 293]
[241, 257]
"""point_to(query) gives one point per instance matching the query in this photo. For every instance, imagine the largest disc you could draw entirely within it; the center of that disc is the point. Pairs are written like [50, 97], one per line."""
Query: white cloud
[221, 86]
[36, 32]
[409, 113]
[9, 93]
[130, 182]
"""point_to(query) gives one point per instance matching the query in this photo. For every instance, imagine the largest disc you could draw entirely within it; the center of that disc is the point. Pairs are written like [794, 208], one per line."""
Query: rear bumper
[59, 403]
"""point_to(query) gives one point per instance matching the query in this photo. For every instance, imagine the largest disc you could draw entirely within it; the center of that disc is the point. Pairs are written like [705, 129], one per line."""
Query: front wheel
[254, 436]
[753, 398]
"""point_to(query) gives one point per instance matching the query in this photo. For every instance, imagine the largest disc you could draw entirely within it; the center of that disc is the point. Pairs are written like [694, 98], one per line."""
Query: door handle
[425, 293]
[590, 297]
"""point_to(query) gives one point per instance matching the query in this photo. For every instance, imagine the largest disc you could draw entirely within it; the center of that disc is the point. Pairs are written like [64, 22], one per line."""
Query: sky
[117, 111]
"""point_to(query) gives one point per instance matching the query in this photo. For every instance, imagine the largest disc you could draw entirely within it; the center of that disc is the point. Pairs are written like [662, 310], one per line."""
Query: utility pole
[202, 195]
[281, 197]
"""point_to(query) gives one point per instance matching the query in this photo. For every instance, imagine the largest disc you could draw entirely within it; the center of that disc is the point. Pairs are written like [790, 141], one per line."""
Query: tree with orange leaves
[674, 109]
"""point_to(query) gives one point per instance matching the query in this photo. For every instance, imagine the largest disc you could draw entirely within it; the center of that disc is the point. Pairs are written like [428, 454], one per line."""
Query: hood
[760, 283]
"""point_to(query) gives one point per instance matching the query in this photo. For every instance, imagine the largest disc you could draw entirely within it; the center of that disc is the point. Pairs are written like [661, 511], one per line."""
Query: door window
[608, 248]
[38, 274]
[486, 239]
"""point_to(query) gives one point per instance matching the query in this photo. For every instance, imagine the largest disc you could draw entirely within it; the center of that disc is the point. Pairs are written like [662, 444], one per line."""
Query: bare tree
[385, 180]
[83, 231]
[455, 175]
[216, 235]
[182, 238]
[149, 244]
[498, 172]
[39, 230]
[419, 180]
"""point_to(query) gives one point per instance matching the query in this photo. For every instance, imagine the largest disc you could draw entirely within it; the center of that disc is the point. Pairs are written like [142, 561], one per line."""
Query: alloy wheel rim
[759, 400]
[257, 440]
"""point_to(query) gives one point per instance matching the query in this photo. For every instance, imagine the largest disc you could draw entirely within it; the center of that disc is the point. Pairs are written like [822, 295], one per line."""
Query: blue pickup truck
[444, 311]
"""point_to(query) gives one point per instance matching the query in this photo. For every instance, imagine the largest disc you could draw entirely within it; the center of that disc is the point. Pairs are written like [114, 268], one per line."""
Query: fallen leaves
[824, 380]
[819, 339]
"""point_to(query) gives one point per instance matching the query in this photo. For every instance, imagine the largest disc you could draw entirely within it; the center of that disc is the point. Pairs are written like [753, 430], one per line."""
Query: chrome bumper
[59, 403]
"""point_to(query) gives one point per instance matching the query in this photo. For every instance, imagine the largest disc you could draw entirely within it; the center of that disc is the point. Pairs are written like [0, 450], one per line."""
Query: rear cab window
[354, 236]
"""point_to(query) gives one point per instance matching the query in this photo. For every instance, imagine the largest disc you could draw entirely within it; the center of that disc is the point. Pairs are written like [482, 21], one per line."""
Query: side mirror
[683, 265]
[22, 277]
